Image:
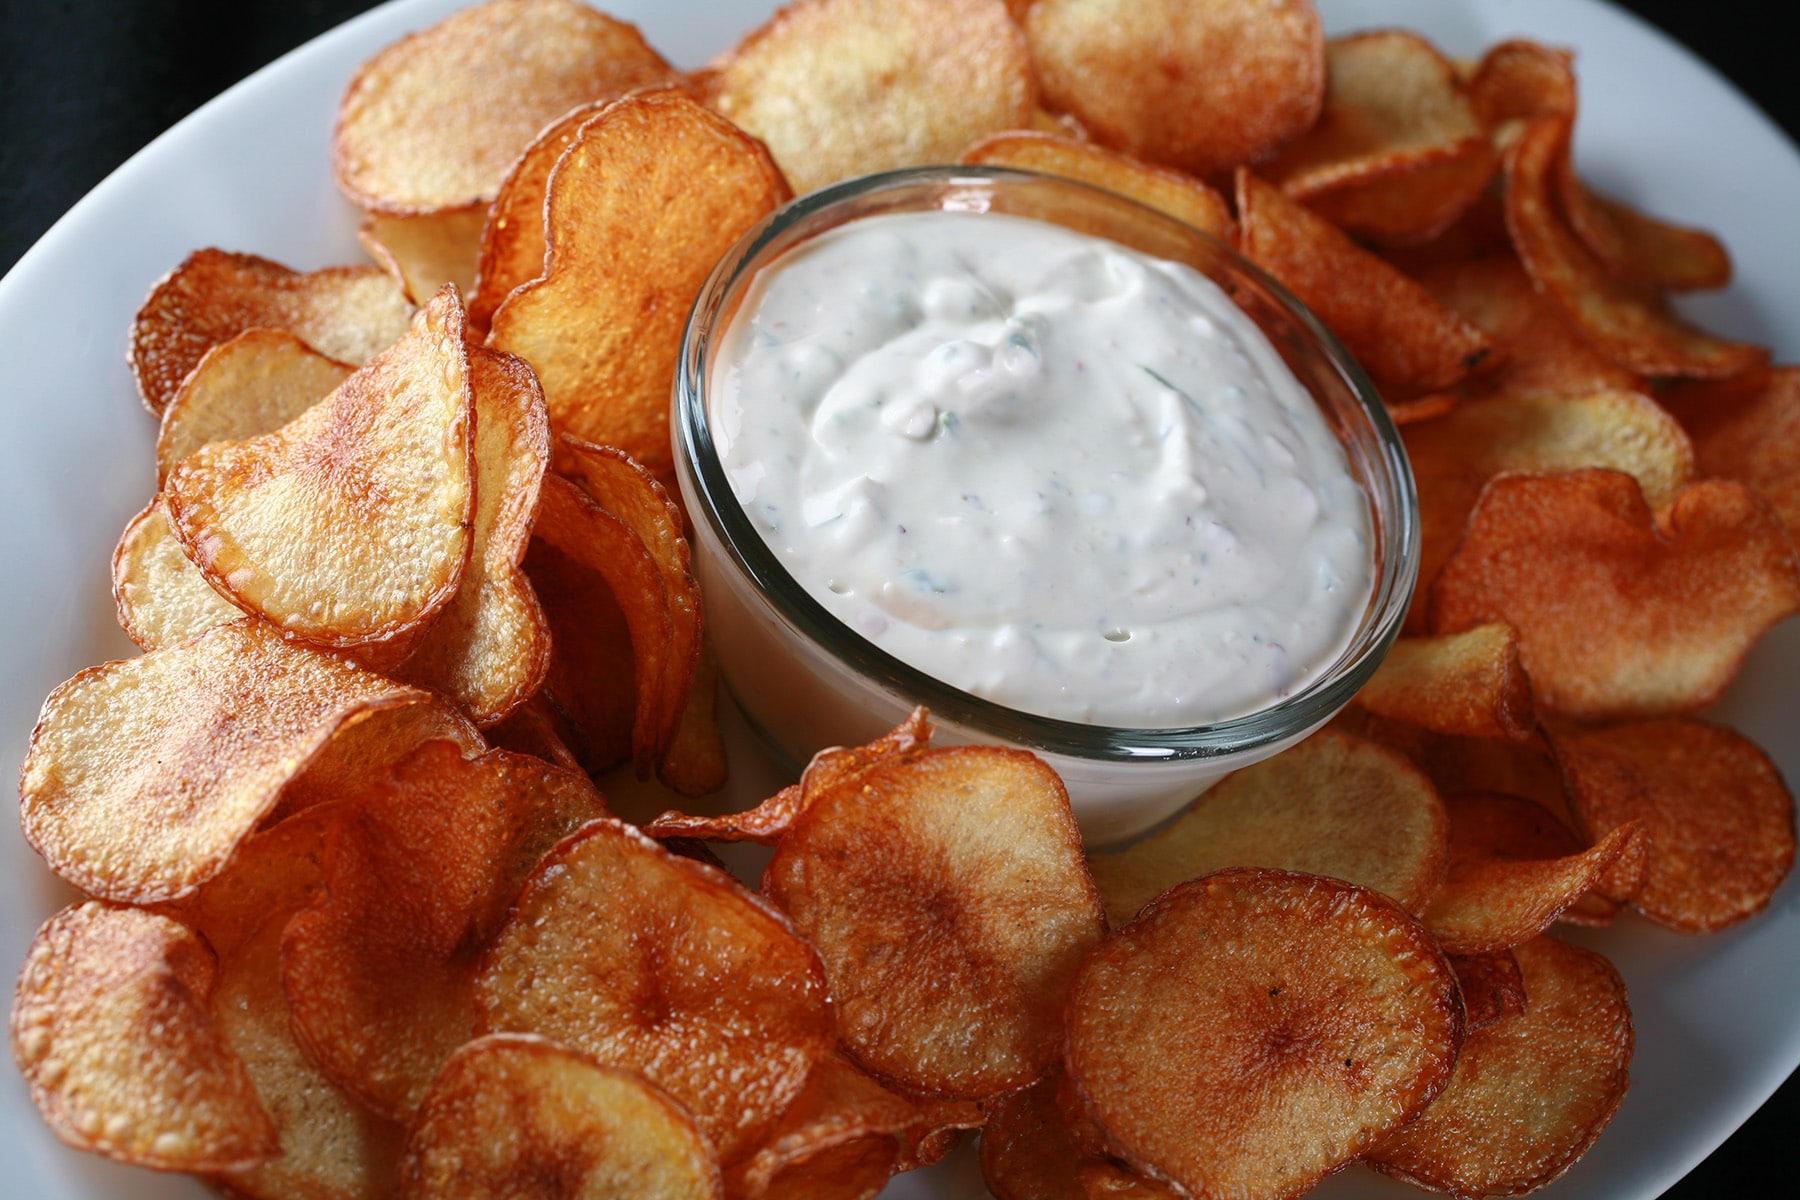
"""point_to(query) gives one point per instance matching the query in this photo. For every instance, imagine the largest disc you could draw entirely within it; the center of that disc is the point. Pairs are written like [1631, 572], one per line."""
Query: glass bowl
[806, 681]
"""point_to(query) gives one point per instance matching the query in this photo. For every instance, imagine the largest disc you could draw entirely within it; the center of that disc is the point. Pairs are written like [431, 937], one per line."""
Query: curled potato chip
[1620, 611]
[839, 88]
[1492, 986]
[1331, 805]
[162, 598]
[346, 313]
[668, 967]
[947, 895]
[423, 251]
[1531, 1091]
[1142, 75]
[1753, 438]
[602, 326]
[1027, 1149]
[1253, 1030]
[1519, 79]
[111, 1031]
[1467, 683]
[515, 1115]
[1639, 247]
[1390, 323]
[434, 120]
[212, 729]
[1719, 819]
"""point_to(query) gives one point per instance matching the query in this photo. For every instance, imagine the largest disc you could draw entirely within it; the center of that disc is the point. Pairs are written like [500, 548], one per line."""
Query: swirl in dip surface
[1043, 468]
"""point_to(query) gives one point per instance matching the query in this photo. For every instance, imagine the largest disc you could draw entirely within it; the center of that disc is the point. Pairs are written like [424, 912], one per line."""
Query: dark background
[85, 83]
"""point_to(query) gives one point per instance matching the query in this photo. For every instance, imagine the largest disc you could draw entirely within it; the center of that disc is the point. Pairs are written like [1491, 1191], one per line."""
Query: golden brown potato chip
[516, 1115]
[347, 313]
[1253, 1030]
[253, 384]
[350, 524]
[1492, 987]
[1519, 79]
[1719, 818]
[1027, 1149]
[434, 120]
[1468, 683]
[695, 762]
[631, 240]
[422, 252]
[1391, 324]
[1181, 196]
[162, 598]
[1531, 1091]
[947, 895]
[1143, 75]
[1620, 611]
[1753, 438]
[111, 1030]
[538, 729]
[1332, 805]
[839, 88]
[667, 967]
[211, 729]
[1638, 247]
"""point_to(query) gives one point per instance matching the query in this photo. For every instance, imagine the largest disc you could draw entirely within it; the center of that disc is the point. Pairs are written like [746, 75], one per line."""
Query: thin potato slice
[422, 252]
[631, 240]
[1492, 987]
[1520, 79]
[947, 895]
[1753, 438]
[1332, 805]
[1719, 818]
[668, 967]
[211, 729]
[1620, 611]
[839, 88]
[111, 1031]
[1253, 1030]
[1638, 247]
[1531, 1091]
[695, 763]
[434, 120]
[347, 313]
[515, 1115]
[537, 729]
[161, 596]
[349, 525]
[1143, 75]
[1469, 684]
[1027, 1149]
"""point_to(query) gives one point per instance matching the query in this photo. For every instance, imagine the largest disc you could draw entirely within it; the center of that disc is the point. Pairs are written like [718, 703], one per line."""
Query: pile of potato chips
[361, 924]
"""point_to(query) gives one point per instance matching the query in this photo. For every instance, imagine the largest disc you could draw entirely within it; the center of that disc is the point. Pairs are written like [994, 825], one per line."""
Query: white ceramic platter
[1717, 1025]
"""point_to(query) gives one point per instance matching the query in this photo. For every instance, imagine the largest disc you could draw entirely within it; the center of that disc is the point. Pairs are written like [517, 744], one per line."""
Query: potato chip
[111, 1031]
[1469, 764]
[1620, 611]
[1519, 79]
[211, 729]
[347, 313]
[1468, 683]
[162, 598]
[1638, 247]
[946, 892]
[253, 384]
[1531, 1091]
[1027, 1150]
[839, 88]
[365, 747]
[1391, 324]
[1752, 438]
[667, 967]
[1181, 196]
[1492, 986]
[349, 525]
[379, 974]
[516, 1115]
[1719, 818]
[1253, 1030]
[1144, 77]
[631, 240]
[424, 251]
[434, 120]
[695, 762]
[1332, 805]
[535, 728]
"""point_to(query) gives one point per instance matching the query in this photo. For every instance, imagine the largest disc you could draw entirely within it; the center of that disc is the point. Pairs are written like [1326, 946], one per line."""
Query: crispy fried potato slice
[349, 525]
[1639, 247]
[1253, 1030]
[161, 597]
[347, 313]
[1492, 986]
[631, 239]
[538, 729]
[1531, 1091]
[947, 895]
[111, 1031]
[1332, 805]
[1038, 1144]
[424, 251]
[434, 120]
[1519, 79]
[1752, 438]
[1181, 196]
[516, 1115]
[253, 384]
[211, 729]
[379, 974]
[1143, 75]
[490, 648]
[1620, 611]
[1469, 684]
[1719, 818]
[1390, 323]
[839, 88]
[668, 967]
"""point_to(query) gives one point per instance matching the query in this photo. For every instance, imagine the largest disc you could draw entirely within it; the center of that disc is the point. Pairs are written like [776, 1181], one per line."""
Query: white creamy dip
[1043, 468]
